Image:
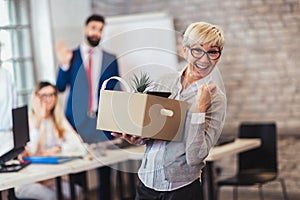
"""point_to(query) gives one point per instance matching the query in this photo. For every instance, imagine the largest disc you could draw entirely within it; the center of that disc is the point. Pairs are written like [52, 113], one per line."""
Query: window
[16, 46]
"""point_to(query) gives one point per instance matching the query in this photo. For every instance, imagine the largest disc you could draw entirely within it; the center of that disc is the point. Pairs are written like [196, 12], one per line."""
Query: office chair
[257, 166]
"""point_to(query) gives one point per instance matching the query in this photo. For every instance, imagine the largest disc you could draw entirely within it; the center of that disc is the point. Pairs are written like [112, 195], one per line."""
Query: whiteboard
[142, 43]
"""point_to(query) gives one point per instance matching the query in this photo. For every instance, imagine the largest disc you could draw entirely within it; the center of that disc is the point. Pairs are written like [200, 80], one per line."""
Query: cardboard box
[142, 115]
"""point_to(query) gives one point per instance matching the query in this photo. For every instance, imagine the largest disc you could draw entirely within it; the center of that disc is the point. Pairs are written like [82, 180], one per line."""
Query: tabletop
[39, 172]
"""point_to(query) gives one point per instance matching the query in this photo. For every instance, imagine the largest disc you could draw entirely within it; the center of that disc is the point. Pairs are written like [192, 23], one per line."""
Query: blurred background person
[50, 135]
[83, 71]
[8, 99]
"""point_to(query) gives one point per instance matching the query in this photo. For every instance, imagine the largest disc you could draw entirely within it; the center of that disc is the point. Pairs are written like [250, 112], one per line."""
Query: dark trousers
[104, 187]
[192, 191]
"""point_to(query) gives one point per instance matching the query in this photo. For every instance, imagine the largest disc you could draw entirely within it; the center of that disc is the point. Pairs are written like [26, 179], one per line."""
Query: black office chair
[257, 166]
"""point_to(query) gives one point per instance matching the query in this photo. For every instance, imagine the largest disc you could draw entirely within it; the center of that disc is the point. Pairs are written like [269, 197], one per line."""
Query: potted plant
[142, 84]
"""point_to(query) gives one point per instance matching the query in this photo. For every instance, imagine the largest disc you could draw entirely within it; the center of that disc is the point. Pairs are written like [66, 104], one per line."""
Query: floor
[252, 194]
[226, 194]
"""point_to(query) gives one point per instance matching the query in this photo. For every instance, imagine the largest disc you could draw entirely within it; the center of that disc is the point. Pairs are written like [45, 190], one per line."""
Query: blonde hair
[203, 32]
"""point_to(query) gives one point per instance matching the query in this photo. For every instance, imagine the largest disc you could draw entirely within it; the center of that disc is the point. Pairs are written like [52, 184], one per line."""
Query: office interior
[259, 65]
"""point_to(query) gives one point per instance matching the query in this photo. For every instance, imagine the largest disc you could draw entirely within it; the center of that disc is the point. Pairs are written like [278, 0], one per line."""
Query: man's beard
[92, 42]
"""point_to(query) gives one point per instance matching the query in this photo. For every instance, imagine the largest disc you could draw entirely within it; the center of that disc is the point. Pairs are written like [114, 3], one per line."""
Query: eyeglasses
[199, 53]
[45, 96]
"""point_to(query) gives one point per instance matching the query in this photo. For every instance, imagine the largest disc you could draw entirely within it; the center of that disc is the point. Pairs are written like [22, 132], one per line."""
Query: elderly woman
[50, 134]
[172, 170]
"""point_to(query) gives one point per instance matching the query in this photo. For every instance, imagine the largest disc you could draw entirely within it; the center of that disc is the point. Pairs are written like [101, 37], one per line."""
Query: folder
[50, 159]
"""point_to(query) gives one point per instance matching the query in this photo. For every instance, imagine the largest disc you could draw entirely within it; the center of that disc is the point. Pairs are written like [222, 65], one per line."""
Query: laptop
[20, 138]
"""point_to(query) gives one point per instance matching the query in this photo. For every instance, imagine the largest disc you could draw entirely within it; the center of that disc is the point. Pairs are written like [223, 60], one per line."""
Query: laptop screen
[20, 136]
[20, 126]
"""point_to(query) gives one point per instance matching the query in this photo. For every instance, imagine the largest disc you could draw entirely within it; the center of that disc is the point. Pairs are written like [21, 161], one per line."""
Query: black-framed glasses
[199, 53]
[45, 96]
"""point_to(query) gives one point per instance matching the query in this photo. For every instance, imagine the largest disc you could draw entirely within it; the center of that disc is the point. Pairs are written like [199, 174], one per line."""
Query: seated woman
[50, 134]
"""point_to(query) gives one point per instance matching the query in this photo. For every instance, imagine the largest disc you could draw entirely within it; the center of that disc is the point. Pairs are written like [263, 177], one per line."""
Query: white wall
[142, 42]
[42, 40]
[68, 18]
[52, 21]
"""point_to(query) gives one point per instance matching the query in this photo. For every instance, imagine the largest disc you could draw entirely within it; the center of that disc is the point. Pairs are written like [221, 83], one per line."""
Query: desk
[81, 166]
[238, 146]
[218, 152]
[31, 173]
[39, 172]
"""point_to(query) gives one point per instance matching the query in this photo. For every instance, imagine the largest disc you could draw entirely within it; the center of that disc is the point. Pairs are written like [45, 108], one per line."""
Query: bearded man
[83, 71]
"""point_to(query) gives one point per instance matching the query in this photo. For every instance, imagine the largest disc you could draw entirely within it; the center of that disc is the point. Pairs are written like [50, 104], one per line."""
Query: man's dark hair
[94, 17]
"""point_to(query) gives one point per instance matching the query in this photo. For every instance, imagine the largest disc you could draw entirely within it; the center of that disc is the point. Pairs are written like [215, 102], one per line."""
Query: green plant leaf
[142, 82]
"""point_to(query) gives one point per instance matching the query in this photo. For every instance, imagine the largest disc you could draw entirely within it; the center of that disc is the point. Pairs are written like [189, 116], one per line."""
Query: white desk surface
[39, 172]
[218, 152]
[32, 173]
[238, 146]
[111, 157]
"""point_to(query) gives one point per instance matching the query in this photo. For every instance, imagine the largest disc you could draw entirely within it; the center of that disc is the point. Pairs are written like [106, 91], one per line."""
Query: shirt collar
[85, 48]
[197, 83]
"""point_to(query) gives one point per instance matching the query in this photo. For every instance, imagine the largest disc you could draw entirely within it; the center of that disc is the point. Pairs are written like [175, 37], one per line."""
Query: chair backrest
[264, 158]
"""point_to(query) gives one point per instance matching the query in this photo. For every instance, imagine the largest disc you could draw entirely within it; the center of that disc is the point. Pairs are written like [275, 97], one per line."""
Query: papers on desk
[50, 159]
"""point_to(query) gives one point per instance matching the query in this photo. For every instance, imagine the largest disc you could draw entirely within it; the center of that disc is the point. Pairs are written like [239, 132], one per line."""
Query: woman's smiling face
[203, 43]
[202, 58]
